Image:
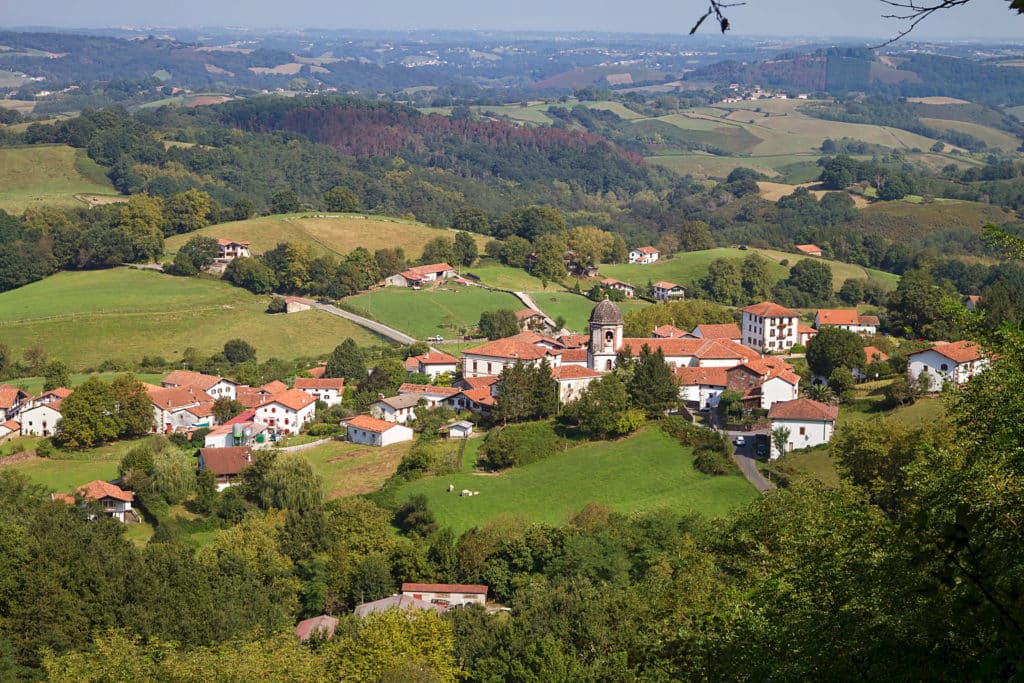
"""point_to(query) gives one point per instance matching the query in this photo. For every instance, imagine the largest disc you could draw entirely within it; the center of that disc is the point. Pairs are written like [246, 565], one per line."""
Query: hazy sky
[980, 18]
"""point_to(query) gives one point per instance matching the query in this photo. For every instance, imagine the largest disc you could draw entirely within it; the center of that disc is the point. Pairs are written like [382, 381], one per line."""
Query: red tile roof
[444, 588]
[98, 490]
[668, 332]
[509, 349]
[175, 398]
[718, 331]
[770, 309]
[322, 624]
[574, 356]
[12, 425]
[574, 341]
[227, 243]
[805, 329]
[250, 398]
[337, 383]
[837, 316]
[182, 378]
[295, 399]
[59, 392]
[702, 376]
[611, 282]
[527, 313]
[809, 249]
[566, 372]
[226, 461]
[435, 358]
[665, 285]
[646, 250]
[477, 382]
[482, 396]
[958, 351]
[871, 353]
[274, 387]
[410, 388]
[370, 424]
[803, 409]
[317, 372]
[868, 320]
[241, 418]
[9, 396]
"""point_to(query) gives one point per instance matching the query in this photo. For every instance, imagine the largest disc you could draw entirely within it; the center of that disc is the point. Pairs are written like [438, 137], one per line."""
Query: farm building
[40, 420]
[446, 593]
[730, 331]
[214, 385]
[810, 423]
[286, 412]
[296, 304]
[11, 429]
[227, 464]
[329, 390]
[463, 429]
[432, 364]
[846, 319]
[530, 319]
[421, 275]
[399, 602]
[12, 400]
[244, 432]
[668, 332]
[809, 250]
[954, 362]
[373, 432]
[321, 627]
[400, 409]
[618, 285]
[644, 255]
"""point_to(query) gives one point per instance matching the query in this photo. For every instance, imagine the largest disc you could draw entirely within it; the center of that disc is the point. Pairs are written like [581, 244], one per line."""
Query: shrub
[519, 444]
[46, 449]
[277, 305]
[710, 460]
[324, 429]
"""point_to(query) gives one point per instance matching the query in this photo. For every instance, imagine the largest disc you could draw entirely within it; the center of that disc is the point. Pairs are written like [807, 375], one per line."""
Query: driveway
[744, 457]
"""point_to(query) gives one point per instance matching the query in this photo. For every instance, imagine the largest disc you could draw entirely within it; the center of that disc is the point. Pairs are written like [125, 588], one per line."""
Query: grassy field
[648, 471]
[34, 385]
[506, 277]
[336, 234]
[48, 175]
[428, 312]
[84, 318]
[575, 308]
[349, 469]
[993, 137]
[65, 472]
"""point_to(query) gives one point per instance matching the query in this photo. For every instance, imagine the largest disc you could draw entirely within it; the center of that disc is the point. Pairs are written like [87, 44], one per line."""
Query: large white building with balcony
[769, 328]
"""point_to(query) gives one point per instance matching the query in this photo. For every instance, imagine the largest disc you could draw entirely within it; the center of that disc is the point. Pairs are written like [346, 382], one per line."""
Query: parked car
[435, 338]
[740, 440]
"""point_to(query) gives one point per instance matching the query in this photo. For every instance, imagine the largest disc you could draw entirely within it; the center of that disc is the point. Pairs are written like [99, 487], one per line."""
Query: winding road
[372, 325]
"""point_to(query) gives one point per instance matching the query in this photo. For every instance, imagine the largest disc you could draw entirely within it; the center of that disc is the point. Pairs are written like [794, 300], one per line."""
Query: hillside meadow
[575, 308]
[428, 312]
[48, 175]
[325, 233]
[644, 472]
[84, 318]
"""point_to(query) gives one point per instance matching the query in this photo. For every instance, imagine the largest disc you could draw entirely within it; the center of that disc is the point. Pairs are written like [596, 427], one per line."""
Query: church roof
[606, 313]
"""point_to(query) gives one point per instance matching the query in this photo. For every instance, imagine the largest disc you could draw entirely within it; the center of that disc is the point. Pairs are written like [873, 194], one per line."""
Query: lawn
[350, 469]
[647, 471]
[65, 472]
[507, 277]
[683, 268]
[34, 385]
[48, 175]
[428, 312]
[84, 318]
[575, 308]
[336, 234]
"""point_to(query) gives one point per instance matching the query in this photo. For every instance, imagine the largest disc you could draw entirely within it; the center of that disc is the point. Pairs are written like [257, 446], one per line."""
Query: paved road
[532, 305]
[744, 457]
[372, 325]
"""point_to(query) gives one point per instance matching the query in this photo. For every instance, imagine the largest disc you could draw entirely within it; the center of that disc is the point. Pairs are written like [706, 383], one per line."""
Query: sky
[855, 18]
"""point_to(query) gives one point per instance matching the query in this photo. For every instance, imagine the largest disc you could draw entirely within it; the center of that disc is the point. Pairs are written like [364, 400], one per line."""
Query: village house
[227, 464]
[287, 412]
[229, 250]
[643, 255]
[954, 362]
[805, 333]
[400, 409]
[730, 331]
[619, 286]
[530, 319]
[40, 420]
[11, 429]
[846, 319]
[12, 400]
[399, 602]
[668, 332]
[810, 423]
[116, 502]
[432, 364]
[871, 355]
[480, 400]
[668, 291]
[809, 250]
[768, 327]
[179, 407]
[701, 387]
[215, 386]
[329, 390]
[373, 432]
[52, 396]
[763, 383]
[421, 275]
[296, 304]
[572, 380]
[493, 357]
[448, 594]
[432, 395]
[243, 432]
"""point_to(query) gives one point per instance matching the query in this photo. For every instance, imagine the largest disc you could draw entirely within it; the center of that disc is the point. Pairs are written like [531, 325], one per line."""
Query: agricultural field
[773, 192]
[689, 267]
[647, 471]
[507, 277]
[64, 472]
[575, 308]
[48, 175]
[993, 137]
[350, 469]
[34, 385]
[428, 312]
[335, 234]
[84, 318]
[189, 100]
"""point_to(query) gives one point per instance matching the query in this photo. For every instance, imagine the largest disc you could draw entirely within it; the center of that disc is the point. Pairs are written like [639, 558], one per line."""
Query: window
[608, 364]
[944, 367]
[488, 368]
[803, 431]
[609, 337]
[474, 366]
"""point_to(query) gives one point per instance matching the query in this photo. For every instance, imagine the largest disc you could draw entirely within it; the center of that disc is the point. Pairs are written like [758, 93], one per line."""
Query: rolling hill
[48, 175]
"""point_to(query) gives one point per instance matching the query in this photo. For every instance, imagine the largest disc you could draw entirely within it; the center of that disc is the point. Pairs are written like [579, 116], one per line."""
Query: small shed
[463, 429]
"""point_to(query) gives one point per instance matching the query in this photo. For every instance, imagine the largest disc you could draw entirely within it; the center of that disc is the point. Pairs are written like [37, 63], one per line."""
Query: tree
[723, 282]
[526, 392]
[438, 250]
[591, 244]
[755, 277]
[842, 382]
[464, 249]
[173, 474]
[604, 409]
[653, 387]
[239, 351]
[89, 416]
[834, 347]
[514, 251]
[685, 315]
[498, 324]
[194, 255]
[134, 408]
[471, 219]
[290, 483]
[780, 439]
[852, 291]
[251, 274]
[346, 361]
[390, 261]
[57, 374]
[917, 304]
[225, 408]
[341, 199]
[550, 265]
[187, 212]
[813, 277]
[695, 236]
[284, 202]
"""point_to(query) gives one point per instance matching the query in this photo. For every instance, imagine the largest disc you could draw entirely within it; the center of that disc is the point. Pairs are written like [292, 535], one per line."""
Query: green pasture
[575, 308]
[993, 137]
[48, 175]
[428, 312]
[648, 471]
[84, 318]
[325, 233]
[34, 385]
[349, 469]
[64, 472]
[507, 277]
